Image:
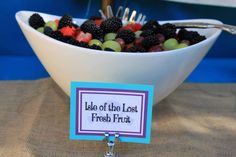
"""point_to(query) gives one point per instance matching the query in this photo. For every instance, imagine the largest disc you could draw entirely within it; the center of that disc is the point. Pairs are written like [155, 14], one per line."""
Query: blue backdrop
[17, 60]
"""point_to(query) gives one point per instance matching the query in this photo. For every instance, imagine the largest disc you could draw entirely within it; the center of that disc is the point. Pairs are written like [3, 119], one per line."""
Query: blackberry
[111, 25]
[90, 27]
[57, 35]
[192, 36]
[66, 20]
[95, 47]
[168, 30]
[77, 43]
[97, 33]
[147, 33]
[198, 39]
[83, 44]
[73, 42]
[183, 34]
[136, 49]
[127, 35]
[65, 39]
[150, 41]
[86, 26]
[36, 21]
[151, 25]
[47, 31]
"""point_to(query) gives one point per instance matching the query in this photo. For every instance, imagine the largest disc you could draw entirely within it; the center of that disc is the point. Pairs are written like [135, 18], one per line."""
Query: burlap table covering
[197, 120]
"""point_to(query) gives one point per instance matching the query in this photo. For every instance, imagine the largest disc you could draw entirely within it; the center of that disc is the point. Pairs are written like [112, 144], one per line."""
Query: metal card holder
[111, 145]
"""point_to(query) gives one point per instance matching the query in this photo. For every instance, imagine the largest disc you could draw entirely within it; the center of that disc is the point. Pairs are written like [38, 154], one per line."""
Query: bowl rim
[87, 50]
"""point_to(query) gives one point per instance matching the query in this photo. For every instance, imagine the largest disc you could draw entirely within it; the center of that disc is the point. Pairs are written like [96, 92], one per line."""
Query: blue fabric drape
[14, 49]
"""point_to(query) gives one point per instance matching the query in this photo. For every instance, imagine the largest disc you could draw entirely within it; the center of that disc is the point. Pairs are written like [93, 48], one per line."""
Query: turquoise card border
[75, 85]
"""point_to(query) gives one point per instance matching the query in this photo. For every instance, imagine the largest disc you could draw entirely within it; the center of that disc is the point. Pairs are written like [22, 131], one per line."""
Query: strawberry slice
[129, 46]
[137, 26]
[98, 22]
[84, 37]
[127, 27]
[134, 26]
[77, 31]
[68, 31]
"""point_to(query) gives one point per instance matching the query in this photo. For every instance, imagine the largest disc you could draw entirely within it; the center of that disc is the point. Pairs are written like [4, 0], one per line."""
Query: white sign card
[99, 108]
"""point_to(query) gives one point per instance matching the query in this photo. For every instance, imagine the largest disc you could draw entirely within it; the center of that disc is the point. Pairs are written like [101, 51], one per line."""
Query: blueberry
[51, 24]
[47, 30]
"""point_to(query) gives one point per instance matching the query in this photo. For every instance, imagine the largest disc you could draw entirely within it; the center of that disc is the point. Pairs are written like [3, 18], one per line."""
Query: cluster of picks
[112, 35]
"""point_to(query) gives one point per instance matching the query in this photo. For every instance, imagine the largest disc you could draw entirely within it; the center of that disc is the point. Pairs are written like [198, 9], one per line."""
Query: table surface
[196, 120]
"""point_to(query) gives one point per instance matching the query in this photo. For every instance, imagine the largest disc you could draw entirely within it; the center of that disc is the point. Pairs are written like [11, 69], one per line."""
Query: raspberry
[36, 21]
[127, 35]
[150, 41]
[111, 25]
[66, 20]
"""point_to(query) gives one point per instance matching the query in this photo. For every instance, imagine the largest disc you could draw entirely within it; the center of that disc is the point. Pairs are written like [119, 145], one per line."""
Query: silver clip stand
[111, 145]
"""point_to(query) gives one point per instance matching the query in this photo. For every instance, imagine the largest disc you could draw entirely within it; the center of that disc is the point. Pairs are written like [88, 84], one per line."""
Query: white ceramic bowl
[165, 70]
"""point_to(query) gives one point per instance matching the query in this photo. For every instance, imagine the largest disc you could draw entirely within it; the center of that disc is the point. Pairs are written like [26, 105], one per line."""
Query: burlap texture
[197, 120]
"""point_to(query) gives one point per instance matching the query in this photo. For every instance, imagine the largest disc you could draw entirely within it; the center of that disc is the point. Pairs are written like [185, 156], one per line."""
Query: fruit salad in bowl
[113, 35]
[97, 50]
